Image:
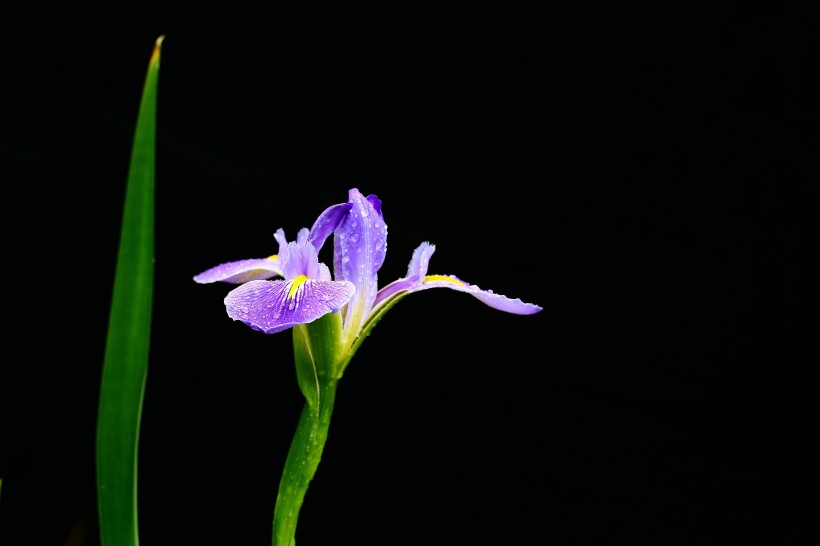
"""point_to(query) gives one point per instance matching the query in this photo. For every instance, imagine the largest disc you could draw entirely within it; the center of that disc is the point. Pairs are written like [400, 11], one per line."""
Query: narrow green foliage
[302, 462]
[306, 373]
[316, 351]
[129, 329]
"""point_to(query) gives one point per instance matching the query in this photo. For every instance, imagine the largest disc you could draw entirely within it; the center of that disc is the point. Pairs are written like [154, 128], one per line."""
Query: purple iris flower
[307, 291]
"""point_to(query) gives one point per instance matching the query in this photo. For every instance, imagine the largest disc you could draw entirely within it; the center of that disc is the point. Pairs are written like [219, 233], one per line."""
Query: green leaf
[305, 365]
[129, 329]
[315, 352]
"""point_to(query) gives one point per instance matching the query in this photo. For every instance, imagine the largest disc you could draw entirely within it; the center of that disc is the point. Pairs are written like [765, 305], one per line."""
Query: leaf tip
[157, 48]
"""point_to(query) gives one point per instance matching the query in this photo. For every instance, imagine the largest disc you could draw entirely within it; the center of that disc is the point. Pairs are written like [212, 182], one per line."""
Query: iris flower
[306, 291]
[330, 316]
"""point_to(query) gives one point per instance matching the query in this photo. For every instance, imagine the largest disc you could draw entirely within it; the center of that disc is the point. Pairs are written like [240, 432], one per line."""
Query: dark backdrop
[643, 173]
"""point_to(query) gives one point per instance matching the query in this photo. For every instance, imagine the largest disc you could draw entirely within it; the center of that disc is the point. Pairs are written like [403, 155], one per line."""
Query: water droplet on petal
[345, 259]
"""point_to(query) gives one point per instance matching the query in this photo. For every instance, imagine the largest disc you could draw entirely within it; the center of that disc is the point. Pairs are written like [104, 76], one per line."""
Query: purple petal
[273, 306]
[376, 202]
[303, 260]
[488, 297]
[326, 223]
[400, 285]
[420, 261]
[302, 236]
[241, 271]
[279, 235]
[360, 245]
[415, 271]
[417, 280]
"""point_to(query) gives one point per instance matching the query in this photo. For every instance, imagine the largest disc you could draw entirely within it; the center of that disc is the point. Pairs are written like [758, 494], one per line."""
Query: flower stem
[302, 462]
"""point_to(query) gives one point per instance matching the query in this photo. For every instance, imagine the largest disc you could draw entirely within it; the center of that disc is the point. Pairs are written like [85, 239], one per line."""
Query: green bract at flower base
[330, 317]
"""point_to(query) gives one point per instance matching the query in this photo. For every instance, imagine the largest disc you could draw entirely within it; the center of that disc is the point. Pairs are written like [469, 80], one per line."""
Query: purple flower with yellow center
[307, 291]
[330, 318]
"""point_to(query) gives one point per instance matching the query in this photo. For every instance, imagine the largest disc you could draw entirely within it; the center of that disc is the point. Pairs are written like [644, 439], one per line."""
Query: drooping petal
[488, 297]
[417, 279]
[360, 245]
[241, 271]
[273, 306]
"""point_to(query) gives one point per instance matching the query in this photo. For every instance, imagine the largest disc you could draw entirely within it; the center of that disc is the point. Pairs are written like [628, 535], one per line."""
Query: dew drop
[345, 259]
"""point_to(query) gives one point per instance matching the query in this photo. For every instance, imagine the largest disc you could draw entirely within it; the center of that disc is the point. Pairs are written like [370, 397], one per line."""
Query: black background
[643, 173]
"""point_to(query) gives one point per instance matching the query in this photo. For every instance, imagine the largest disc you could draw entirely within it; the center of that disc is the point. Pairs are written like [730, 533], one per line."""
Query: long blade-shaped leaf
[126, 351]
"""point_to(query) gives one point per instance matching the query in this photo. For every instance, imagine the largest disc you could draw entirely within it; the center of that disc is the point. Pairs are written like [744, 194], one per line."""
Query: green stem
[302, 462]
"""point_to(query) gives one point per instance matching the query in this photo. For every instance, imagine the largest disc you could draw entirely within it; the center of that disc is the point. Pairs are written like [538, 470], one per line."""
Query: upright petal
[304, 260]
[301, 238]
[273, 306]
[420, 260]
[415, 271]
[360, 245]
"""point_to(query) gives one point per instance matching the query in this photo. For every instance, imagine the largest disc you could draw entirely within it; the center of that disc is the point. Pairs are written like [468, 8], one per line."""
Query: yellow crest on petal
[295, 284]
[430, 278]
